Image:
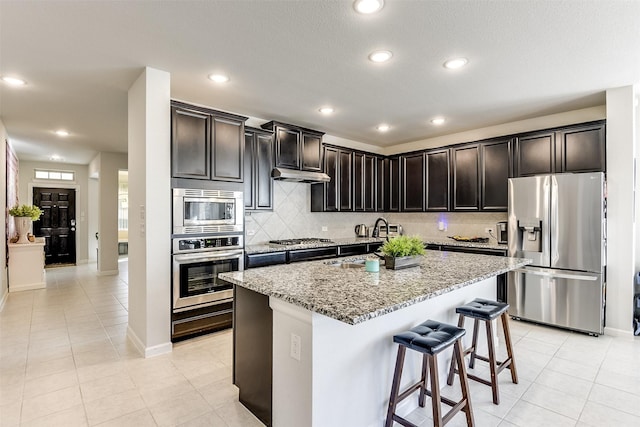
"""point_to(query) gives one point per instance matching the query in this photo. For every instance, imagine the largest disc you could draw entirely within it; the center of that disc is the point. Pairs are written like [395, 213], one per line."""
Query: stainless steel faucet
[376, 229]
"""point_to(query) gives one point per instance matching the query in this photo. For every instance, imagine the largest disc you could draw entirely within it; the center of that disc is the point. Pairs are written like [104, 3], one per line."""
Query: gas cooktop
[303, 240]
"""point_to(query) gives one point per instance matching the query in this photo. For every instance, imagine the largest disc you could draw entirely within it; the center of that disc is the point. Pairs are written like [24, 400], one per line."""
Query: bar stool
[430, 338]
[485, 310]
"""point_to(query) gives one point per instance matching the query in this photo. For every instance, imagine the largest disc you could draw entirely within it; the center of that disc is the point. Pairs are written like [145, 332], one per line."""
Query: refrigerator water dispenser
[530, 235]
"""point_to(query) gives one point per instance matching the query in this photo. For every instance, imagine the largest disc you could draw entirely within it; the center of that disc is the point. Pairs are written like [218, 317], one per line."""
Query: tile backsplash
[292, 217]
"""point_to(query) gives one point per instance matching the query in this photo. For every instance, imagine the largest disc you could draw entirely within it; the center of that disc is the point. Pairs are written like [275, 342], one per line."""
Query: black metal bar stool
[485, 310]
[429, 338]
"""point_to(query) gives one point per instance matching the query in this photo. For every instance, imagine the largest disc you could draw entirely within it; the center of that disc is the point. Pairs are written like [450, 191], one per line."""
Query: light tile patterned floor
[65, 361]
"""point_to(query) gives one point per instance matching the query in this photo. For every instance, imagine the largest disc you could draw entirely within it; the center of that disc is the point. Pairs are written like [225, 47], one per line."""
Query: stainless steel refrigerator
[559, 222]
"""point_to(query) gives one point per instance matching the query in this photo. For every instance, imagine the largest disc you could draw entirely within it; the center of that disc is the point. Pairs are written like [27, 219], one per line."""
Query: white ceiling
[288, 58]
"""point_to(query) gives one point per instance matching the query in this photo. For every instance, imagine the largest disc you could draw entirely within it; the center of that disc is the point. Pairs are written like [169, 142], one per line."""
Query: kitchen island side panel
[345, 371]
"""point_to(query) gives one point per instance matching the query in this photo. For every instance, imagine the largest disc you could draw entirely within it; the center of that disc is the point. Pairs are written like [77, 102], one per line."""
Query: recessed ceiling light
[55, 158]
[368, 6]
[62, 132]
[437, 121]
[455, 63]
[383, 127]
[326, 110]
[380, 56]
[13, 81]
[218, 78]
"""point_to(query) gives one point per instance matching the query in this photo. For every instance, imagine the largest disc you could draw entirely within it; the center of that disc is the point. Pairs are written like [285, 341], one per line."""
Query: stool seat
[429, 337]
[482, 309]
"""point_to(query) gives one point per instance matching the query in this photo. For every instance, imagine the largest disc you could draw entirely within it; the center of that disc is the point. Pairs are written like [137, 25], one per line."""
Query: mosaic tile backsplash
[292, 217]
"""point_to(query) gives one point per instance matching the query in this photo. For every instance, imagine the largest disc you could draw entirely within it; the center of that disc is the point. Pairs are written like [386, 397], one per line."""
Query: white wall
[4, 284]
[26, 183]
[621, 125]
[150, 213]
[106, 166]
[537, 123]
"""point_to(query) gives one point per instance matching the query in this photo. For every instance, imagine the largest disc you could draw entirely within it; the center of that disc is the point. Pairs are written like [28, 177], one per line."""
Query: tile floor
[65, 361]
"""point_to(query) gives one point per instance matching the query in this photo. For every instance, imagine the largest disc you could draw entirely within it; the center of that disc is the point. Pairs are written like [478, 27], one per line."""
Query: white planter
[23, 225]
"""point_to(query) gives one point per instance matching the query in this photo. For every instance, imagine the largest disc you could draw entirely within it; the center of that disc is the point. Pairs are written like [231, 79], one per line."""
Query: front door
[57, 224]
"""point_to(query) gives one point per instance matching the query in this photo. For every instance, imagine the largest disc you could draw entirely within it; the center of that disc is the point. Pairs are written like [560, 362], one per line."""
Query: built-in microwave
[197, 211]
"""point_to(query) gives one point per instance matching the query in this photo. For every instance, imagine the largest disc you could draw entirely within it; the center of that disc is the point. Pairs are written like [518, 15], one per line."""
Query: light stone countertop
[256, 249]
[354, 296]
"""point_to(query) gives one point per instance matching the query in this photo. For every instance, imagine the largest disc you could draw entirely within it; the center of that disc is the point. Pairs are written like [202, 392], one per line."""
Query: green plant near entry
[30, 211]
[403, 246]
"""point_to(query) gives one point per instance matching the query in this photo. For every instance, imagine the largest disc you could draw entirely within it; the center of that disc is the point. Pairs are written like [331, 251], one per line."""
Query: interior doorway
[123, 213]
[57, 224]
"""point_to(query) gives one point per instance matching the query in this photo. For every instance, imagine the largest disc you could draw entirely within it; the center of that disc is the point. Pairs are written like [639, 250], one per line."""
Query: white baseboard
[146, 352]
[108, 273]
[82, 261]
[28, 287]
[618, 332]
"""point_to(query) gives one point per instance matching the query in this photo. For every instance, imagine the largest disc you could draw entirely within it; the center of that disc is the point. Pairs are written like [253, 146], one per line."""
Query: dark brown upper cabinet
[296, 147]
[258, 163]
[190, 143]
[392, 187]
[535, 153]
[578, 148]
[364, 182]
[582, 148]
[206, 144]
[382, 171]
[495, 156]
[438, 180]
[465, 161]
[335, 195]
[413, 182]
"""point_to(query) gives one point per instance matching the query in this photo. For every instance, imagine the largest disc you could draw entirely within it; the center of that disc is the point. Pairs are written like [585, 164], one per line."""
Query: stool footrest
[403, 421]
[408, 391]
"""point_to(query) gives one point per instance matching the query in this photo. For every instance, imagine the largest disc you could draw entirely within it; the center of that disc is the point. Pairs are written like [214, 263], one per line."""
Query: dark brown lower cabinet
[253, 351]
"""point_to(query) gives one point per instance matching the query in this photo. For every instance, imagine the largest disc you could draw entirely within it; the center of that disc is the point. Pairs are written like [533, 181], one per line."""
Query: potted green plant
[23, 216]
[402, 252]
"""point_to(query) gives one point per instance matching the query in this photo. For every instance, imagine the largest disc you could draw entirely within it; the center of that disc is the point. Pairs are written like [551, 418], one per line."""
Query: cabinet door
[331, 188]
[287, 148]
[380, 174]
[438, 187]
[190, 142]
[344, 193]
[249, 168]
[535, 154]
[228, 150]
[393, 184]
[311, 154]
[263, 189]
[582, 149]
[358, 181]
[413, 180]
[466, 183]
[369, 183]
[494, 175]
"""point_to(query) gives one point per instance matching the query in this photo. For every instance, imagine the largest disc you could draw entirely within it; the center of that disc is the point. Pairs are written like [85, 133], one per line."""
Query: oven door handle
[221, 256]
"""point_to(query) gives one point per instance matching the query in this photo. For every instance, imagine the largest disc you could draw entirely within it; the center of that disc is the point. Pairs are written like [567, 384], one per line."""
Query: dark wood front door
[57, 223]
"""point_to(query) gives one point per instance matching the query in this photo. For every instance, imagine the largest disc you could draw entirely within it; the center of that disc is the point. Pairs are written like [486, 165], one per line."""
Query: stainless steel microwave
[207, 211]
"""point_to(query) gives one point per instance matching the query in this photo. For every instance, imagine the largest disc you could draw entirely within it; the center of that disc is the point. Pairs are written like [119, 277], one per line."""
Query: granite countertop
[256, 249]
[354, 296]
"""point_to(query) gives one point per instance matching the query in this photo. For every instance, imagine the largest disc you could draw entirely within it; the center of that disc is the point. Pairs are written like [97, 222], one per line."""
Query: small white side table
[26, 266]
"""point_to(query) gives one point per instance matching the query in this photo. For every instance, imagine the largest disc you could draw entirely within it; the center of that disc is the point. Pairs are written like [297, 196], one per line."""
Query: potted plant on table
[23, 216]
[402, 252]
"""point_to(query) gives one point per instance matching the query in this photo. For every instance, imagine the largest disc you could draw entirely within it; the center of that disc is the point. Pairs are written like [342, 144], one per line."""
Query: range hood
[283, 174]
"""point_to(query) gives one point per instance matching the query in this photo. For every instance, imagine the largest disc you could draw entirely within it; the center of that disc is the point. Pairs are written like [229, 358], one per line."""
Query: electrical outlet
[325, 228]
[488, 230]
[295, 346]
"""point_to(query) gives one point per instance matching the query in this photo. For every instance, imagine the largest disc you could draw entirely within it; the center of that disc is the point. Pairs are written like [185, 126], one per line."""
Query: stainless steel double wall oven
[208, 227]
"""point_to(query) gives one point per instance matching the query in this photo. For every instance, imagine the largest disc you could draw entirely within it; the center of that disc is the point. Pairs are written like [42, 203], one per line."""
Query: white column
[621, 261]
[150, 213]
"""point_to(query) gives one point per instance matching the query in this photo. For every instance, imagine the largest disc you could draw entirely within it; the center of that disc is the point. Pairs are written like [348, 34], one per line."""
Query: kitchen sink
[348, 264]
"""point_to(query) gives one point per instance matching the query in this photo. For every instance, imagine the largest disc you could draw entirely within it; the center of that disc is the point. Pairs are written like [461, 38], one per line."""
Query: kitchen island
[327, 332]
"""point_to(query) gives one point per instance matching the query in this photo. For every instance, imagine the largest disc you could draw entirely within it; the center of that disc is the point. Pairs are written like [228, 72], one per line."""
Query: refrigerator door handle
[557, 275]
